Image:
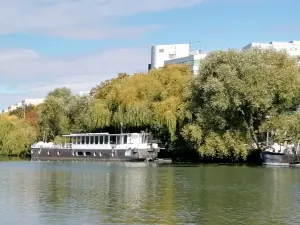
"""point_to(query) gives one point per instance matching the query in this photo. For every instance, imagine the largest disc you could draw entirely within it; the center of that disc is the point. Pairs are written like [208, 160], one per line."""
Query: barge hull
[279, 159]
[65, 154]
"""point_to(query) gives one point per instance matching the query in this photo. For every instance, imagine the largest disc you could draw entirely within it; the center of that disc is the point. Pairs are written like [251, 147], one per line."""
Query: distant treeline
[213, 116]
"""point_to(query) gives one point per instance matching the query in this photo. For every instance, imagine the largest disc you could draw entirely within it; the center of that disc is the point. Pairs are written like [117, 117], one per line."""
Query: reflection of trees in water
[54, 194]
[129, 189]
[117, 193]
[163, 202]
[278, 187]
[108, 193]
[148, 197]
[231, 194]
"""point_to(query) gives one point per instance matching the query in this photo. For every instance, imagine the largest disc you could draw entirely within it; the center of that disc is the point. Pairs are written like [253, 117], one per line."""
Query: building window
[172, 56]
[161, 50]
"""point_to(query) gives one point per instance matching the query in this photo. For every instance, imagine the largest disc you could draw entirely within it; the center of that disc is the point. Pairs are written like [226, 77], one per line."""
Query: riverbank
[14, 159]
[253, 159]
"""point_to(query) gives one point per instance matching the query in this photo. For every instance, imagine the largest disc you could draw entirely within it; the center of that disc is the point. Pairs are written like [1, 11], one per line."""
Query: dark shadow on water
[185, 164]
[13, 159]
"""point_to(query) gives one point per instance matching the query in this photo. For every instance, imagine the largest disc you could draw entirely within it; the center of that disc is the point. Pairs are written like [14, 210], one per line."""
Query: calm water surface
[59, 193]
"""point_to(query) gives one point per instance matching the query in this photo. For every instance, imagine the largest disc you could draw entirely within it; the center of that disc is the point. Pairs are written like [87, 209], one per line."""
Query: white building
[25, 102]
[32, 101]
[292, 47]
[193, 60]
[176, 54]
[11, 108]
[162, 53]
[84, 93]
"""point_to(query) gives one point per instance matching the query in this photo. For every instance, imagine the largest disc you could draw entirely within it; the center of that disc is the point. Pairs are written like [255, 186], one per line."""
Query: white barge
[99, 147]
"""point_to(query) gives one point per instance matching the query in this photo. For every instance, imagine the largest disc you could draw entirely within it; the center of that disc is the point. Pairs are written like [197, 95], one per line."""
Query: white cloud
[26, 74]
[78, 18]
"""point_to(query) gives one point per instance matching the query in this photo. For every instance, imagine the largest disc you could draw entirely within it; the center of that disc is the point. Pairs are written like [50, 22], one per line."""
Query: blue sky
[46, 44]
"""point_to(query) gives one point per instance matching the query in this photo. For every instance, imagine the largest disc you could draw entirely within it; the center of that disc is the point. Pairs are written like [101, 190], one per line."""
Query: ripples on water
[59, 193]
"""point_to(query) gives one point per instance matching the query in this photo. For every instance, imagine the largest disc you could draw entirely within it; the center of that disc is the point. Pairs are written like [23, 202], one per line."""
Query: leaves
[16, 136]
[139, 101]
[233, 93]
[144, 100]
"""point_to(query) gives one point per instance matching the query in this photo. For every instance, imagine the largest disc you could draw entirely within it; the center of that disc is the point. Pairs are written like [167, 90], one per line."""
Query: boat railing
[52, 145]
[66, 145]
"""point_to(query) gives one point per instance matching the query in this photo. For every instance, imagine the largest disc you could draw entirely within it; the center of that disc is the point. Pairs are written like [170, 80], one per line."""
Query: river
[63, 193]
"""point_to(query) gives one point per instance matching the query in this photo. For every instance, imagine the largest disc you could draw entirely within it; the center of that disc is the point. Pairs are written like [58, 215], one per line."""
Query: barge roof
[96, 134]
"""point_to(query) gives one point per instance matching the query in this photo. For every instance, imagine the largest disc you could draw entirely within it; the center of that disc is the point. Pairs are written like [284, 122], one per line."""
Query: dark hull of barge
[280, 159]
[45, 154]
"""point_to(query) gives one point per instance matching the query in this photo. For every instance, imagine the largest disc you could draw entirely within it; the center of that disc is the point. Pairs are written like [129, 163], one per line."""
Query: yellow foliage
[12, 118]
[145, 99]
[16, 135]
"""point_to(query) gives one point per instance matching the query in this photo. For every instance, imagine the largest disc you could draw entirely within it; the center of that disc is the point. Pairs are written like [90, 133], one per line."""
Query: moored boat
[99, 147]
[282, 155]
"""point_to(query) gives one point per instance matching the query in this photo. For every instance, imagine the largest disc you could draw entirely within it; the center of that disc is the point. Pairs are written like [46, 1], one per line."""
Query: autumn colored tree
[143, 100]
[16, 135]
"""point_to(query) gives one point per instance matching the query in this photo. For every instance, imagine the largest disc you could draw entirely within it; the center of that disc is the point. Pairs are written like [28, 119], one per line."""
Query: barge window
[106, 139]
[113, 139]
[96, 139]
[74, 141]
[83, 140]
[101, 140]
[92, 140]
[118, 140]
[88, 153]
[86, 139]
[125, 139]
[79, 153]
[78, 140]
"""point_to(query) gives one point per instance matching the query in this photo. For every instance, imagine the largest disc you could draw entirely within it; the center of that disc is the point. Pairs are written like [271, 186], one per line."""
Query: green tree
[231, 97]
[283, 126]
[16, 136]
[54, 115]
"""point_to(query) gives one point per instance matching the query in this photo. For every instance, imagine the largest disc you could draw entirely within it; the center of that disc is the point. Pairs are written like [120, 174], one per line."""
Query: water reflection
[126, 193]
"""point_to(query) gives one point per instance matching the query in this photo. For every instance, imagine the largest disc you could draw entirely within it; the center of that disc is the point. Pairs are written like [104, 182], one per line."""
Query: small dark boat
[281, 155]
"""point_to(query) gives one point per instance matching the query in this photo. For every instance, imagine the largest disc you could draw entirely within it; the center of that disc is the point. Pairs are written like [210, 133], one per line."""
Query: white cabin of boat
[103, 141]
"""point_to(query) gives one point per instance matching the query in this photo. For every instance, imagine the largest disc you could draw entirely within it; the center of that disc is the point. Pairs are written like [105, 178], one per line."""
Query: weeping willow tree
[233, 94]
[141, 100]
[16, 136]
